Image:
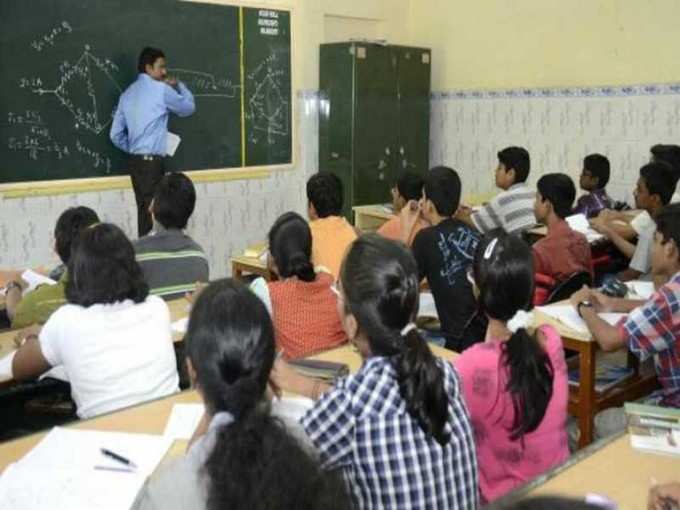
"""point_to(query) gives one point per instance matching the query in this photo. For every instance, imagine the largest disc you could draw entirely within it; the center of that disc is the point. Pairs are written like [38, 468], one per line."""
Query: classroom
[358, 254]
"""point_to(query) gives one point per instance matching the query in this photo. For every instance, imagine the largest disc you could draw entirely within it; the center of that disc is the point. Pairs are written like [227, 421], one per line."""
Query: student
[652, 328]
[512, 209]
[112, 339]
[653, 190]
[515, 383]
[171, 261]
[408, 187]
[563, 251]
[331, 234]
[303, 306]
[594, 179]
[398, 429]
[240, 456]
[630, 227]
[36, 307]
[443, 253]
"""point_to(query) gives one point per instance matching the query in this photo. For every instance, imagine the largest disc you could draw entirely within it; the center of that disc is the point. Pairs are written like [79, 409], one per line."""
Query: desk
[611, 468]
[241, 265]
[151, 417]
[369, 218]
[584, 402]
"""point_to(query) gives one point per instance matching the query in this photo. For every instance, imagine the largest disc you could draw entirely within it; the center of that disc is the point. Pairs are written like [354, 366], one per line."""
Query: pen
[118, 458]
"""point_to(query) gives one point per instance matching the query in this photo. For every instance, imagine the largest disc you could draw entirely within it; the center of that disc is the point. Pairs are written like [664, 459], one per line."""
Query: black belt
[147, 157]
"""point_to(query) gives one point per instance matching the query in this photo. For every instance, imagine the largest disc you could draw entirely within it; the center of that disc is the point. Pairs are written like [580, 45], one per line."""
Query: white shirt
[114, 355]
[642, 258]
[642, 221]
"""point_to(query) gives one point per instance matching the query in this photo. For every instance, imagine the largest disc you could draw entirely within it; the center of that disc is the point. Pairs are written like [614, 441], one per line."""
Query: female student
[112, 339]
[240, 457]
[515, 383]
[302, 303]
[398, 429]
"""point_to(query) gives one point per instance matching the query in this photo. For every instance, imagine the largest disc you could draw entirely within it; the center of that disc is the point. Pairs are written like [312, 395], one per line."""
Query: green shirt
[37, 306]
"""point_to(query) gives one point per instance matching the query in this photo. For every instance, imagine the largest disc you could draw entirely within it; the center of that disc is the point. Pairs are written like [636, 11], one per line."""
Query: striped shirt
[512, 210]
[362, 427]
[171, 261]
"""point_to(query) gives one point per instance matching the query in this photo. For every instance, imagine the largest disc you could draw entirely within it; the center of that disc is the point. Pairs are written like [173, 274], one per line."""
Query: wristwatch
[586, 303]
[12, 285]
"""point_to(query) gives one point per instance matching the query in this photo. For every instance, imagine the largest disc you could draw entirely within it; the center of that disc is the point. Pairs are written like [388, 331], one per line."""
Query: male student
[36, 306]
[171, 261]
[653, 190]
[652, 328]
[594, 179]
[408, 187]
[563, 251]
[331, 234]
[630, 227]
[513, 208]
[444, 252]
[140, 126]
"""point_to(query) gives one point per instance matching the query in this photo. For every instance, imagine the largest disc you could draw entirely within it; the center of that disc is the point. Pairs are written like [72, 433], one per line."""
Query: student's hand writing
[601, 226]
[601, 302]
[585, 294]
[22, 335]
[664, 497]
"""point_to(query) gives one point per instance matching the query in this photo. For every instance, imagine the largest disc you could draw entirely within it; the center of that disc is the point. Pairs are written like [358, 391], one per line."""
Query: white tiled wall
[558, 127]
[229, 215]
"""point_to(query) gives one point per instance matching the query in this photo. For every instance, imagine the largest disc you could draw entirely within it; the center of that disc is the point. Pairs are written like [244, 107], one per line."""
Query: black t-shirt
[443, 253]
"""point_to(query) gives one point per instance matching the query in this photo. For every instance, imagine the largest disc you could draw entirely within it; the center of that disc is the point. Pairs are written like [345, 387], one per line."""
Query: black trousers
[146, 173]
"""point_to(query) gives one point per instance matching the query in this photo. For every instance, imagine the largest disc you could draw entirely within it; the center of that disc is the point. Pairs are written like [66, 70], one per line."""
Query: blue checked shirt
[362, 427]
[140, 124]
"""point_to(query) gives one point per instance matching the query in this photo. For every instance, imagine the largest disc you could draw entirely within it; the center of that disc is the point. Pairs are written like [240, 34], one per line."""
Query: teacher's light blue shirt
[140, 124]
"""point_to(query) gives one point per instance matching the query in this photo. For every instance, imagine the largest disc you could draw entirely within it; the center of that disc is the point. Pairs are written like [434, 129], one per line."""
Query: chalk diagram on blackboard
[202, 84]
[79, 88]
[267, 108]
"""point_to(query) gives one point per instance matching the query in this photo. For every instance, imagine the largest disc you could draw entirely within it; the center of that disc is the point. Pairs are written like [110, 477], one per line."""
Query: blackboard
[64, 64]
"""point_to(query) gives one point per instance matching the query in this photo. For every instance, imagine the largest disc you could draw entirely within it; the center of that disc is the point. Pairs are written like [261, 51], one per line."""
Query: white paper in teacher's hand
[172, 142]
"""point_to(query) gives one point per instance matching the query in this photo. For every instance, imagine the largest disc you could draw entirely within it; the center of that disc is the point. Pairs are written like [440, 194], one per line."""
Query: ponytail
[250, 467]
[530, 381]
[421, 385]
[299, 265]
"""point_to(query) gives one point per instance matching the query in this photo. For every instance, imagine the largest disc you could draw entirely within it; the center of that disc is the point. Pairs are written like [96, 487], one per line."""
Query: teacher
[140, 126]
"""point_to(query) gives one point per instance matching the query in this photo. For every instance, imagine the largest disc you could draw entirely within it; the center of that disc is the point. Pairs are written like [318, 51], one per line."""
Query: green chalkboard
[64, 64]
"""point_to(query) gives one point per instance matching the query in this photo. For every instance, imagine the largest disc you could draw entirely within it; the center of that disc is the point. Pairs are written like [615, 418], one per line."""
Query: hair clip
[489, 248]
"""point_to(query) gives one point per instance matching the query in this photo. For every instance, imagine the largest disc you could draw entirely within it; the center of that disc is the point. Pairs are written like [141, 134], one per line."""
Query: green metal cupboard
[374, 117]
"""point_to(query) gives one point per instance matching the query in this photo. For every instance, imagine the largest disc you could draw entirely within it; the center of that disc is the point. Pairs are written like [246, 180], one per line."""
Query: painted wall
[229, 215]
[495, 44]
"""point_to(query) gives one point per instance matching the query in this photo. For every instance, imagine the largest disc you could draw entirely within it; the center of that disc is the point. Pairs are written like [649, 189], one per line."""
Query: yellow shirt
[330, 238]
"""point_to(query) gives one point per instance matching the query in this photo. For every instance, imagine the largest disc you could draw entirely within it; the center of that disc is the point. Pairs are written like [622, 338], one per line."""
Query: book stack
[654, 429]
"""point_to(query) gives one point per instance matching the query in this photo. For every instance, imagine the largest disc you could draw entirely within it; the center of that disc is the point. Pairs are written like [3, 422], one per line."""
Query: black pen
[118, 458]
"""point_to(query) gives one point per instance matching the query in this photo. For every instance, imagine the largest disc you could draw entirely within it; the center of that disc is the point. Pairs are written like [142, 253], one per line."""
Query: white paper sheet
[59, 473]
[579, 223]
[33, 280]
[6, 367]
[568, 316]
[172, 142]
[180, 325]
[641, 289]
[427, 307]
[183, 421]
[291, 409]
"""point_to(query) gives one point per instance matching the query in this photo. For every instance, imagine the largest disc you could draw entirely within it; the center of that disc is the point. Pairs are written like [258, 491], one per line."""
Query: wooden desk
[610, 468]
[241, 265]
[151, 417]
[369, 218]
[584, 402]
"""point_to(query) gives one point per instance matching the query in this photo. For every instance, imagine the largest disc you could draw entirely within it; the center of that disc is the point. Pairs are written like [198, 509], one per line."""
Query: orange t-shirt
[330, 238]
[305, 316]
[392, 229]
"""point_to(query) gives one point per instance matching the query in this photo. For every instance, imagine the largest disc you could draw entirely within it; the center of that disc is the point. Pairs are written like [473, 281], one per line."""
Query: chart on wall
[63, 66]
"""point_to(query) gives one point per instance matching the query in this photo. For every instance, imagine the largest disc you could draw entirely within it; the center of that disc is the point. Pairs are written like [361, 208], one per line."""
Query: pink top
[505, 464]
